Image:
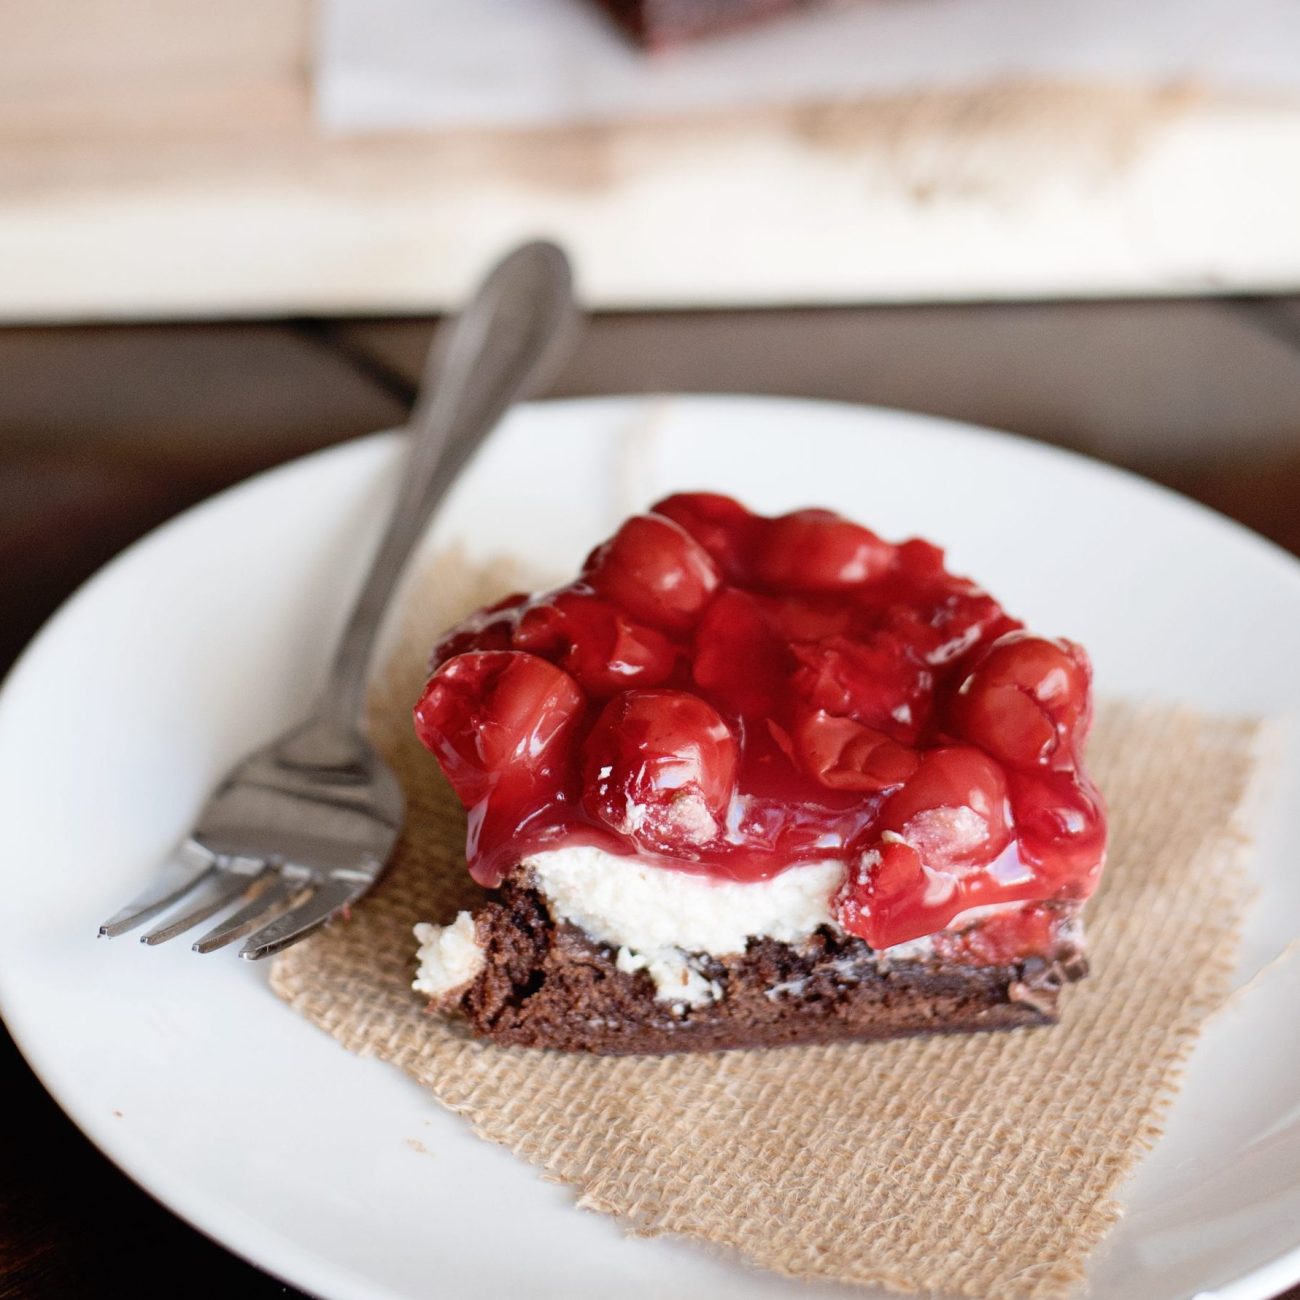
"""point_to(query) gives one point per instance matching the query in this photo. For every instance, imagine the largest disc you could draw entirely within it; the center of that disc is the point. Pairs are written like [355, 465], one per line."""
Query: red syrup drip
[731, 695]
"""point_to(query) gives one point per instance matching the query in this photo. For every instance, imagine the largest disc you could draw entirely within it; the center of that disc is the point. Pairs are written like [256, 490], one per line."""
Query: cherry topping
[722, 526]
[1061, 822]
[875, 902]
[497, 717]
[1032, 931]
[812, 617]
[732, 695]
[921, 561]
[596, 642]
[660, 768]
[953, 810]
[489, 629]
[949, 820]
[818, 550]
[843, 754]
[656, 570]
[1025, 699]
[874, 678]
[740, 660]
[962, 621]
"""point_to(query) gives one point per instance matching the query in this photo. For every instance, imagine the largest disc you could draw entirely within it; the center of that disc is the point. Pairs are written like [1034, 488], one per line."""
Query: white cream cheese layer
[628, 903]
[449, 956]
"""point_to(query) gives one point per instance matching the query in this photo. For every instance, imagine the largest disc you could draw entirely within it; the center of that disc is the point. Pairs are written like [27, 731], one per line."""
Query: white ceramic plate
[337, 1173]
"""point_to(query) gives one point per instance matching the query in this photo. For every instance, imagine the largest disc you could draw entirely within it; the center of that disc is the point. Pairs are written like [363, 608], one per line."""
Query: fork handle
[520, 324]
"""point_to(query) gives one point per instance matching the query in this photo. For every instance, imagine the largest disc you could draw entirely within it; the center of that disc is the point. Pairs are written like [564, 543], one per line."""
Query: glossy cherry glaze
[732, 695]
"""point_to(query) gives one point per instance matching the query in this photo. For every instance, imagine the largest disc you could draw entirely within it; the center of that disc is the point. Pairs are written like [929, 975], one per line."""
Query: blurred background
[227, 231]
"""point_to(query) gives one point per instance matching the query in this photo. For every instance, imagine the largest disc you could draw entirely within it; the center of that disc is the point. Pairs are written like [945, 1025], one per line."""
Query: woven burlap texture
[982, 1166]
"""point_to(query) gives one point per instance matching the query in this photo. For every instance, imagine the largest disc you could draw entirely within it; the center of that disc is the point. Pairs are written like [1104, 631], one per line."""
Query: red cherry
[942, 625]
[1030, 931]
[812, 617]
[1025, 700]
[596, 642]
[817, 550]
[963, 621]
[660, 767]
[948, 820]
[1061, 825]
[844, 755]
[953, 810]
[875, 679]
[874, 900]
[721, 525]
[655, 570]
[739, 660]
[487, 629]
[499, 717]
[921, 562]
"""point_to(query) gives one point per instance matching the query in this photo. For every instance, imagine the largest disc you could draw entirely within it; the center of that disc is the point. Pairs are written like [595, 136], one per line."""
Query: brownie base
[550, 985]
[657, 24]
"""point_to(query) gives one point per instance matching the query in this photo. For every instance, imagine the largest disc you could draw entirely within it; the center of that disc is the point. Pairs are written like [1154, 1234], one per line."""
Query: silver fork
[302, 828]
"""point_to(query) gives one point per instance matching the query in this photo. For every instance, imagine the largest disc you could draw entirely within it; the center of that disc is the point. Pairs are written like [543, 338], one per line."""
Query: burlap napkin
[983, 1166]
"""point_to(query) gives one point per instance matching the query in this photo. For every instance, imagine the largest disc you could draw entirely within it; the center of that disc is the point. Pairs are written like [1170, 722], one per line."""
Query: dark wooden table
[106, 432]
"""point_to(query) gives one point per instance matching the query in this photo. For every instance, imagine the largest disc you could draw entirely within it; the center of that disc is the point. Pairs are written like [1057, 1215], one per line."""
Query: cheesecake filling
[662, 921]
[625, 902]
[448, 957]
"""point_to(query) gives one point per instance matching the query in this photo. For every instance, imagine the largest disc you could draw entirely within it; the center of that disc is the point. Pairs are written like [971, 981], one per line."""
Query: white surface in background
[338, 1173]
[411, 63]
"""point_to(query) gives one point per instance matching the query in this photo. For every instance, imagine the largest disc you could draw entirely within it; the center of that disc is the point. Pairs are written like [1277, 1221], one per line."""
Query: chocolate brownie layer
[549, 985]
[668, 22]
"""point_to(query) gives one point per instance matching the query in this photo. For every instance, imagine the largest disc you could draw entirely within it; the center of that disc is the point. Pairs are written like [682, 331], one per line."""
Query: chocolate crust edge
[549, 985]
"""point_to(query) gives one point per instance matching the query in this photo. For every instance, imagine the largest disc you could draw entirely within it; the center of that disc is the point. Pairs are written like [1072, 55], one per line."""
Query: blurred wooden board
[161, 160]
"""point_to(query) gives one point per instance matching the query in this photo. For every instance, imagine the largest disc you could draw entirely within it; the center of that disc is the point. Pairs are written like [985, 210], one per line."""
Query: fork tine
[178, 876]
[303, 919]
[281, 890]
[222, 889]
